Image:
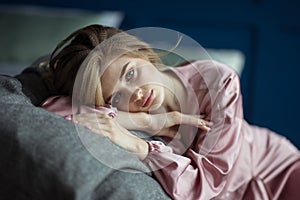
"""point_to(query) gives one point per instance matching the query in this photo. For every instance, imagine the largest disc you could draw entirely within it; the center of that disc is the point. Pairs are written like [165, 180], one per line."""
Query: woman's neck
[175, 92]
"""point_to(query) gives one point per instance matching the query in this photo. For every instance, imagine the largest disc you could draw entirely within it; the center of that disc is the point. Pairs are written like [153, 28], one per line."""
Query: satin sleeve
[203, 170]
[62, 105]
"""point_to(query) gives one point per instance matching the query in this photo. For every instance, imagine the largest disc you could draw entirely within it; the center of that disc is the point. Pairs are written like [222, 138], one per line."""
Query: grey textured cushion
[43, 157]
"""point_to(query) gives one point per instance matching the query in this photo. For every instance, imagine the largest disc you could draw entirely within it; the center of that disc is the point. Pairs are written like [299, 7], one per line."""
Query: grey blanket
[43, 156]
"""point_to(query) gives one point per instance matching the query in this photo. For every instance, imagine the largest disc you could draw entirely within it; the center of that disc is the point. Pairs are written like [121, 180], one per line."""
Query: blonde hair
[90, 50]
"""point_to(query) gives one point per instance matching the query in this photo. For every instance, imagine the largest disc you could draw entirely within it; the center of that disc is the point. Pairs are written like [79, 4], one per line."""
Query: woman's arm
[160, 124]
[108, 127]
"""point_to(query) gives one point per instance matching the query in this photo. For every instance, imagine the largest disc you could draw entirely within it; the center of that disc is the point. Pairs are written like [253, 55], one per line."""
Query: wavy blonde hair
[84, 55]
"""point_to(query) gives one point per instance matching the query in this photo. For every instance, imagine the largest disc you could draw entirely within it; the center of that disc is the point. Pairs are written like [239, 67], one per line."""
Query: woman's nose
[137, 95]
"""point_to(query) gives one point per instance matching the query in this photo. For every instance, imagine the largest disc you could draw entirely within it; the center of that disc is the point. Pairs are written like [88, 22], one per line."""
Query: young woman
[210, 152]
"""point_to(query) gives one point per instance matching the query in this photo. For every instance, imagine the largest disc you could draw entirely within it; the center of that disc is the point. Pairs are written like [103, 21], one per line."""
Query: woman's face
[133, 84]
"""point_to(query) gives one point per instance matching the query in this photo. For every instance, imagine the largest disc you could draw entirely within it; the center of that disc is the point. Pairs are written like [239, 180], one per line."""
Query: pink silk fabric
[234, 160]
[62, 105]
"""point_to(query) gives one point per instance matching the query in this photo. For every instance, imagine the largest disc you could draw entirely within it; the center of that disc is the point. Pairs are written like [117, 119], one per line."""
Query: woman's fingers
[197, 121]
[204, 125]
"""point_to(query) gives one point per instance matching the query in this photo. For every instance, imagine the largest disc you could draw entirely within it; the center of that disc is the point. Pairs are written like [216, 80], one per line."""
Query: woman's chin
[156, 108]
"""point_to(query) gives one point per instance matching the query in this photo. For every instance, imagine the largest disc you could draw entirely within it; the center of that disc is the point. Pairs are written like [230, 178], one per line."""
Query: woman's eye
[116, 99]
[129, 75]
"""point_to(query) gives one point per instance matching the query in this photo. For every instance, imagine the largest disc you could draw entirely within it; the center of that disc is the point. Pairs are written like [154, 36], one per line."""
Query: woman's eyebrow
[121, 75]
[124, 70]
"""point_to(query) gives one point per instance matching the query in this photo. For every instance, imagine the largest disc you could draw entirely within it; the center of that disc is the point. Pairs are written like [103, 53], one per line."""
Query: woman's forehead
[114, 69]
[111, 76]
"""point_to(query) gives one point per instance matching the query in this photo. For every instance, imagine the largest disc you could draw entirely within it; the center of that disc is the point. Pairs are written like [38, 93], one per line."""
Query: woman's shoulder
[211, 73]
[205, 66]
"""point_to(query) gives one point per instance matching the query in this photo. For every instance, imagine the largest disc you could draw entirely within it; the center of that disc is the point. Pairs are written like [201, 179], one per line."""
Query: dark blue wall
[268, 32]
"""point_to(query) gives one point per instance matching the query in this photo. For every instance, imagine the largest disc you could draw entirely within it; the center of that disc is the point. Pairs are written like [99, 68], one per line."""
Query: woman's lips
[148, 101]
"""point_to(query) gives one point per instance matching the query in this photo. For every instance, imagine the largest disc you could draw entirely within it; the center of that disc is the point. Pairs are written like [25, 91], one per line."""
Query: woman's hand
[161, 124]
[177, 118]
[108, 127]
[166, 123]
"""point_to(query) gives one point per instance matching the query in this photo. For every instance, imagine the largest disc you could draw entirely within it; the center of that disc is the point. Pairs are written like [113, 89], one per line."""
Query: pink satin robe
[233, 160]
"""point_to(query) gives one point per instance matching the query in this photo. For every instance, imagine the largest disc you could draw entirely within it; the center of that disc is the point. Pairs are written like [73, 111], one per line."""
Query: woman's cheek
[133, 108]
